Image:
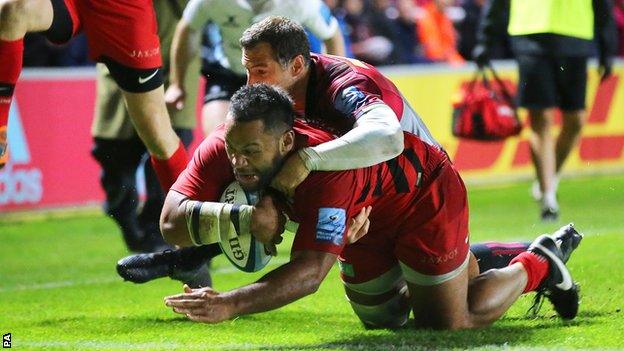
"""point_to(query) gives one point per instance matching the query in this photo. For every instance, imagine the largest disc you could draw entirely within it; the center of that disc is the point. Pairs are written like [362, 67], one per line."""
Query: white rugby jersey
[234, 16]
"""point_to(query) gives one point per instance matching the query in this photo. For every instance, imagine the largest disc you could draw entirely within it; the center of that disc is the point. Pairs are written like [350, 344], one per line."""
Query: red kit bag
[485, 109]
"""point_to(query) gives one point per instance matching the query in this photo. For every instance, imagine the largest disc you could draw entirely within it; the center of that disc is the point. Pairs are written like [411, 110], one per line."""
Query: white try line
[112, 279]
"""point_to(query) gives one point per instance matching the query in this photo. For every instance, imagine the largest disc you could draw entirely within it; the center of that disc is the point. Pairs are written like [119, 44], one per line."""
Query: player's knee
[540, 120]
[380, 309]
[392, 313]
[12, 14]
[574, 122]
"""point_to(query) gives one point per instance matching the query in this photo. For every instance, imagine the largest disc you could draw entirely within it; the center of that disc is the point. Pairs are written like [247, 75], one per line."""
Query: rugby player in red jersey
[122, 34]
[415, 256]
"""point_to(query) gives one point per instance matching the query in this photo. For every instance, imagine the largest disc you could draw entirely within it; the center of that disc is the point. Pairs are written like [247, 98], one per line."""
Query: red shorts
[430, 245]
[123, 30]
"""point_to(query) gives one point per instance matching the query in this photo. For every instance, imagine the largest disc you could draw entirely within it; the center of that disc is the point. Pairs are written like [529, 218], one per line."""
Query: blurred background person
[372, 34]
[551, 40]
[436, 33]
[410, 49]
[221, 53]
[338, 13]
[467, 26]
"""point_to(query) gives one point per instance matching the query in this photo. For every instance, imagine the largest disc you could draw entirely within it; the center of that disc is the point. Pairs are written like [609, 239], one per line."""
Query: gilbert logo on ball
[237, 243]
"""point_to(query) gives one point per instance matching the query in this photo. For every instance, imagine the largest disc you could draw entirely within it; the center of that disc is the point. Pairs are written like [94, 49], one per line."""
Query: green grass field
[59, 289]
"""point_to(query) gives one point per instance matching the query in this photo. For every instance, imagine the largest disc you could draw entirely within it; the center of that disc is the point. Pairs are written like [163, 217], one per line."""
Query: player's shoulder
[308, 135]
[343, 71]
[214, 142]
[327, 183]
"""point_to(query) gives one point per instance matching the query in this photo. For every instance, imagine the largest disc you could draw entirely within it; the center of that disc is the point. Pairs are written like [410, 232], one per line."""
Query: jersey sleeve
[355, 95]
[323, 207]
[208, 172]
[318, 19]
[197, 13]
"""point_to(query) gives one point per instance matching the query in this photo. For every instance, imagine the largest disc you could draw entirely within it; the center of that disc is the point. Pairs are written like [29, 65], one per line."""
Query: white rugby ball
[241, 248]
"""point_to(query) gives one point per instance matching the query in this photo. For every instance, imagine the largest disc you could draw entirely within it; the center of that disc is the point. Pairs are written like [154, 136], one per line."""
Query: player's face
[254, 153]
[262, 67]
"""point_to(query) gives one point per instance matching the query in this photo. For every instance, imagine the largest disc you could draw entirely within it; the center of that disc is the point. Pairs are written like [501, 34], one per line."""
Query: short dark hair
[287, 38]
[264, 102]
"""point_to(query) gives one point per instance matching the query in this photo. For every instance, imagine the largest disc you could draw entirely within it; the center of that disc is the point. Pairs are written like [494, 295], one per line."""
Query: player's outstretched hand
[267, 221]
[174, 96]
[201, 305]
[358, 226]
[292, 173]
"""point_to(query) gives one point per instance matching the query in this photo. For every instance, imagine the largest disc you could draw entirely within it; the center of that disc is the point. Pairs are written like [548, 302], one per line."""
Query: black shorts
[547, 82]
[221, 83]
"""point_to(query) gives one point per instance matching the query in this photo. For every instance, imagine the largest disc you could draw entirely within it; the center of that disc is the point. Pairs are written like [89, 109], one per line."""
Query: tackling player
[122, 35]
[346, 97]
[414, 257]
[231, 18]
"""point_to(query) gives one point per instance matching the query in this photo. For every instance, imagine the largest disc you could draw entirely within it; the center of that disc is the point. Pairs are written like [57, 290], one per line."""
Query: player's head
[258, 133]
[275, 51]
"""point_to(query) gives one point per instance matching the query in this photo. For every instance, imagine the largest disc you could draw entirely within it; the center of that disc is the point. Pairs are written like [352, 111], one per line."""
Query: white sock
[536, 192]
[549, 200]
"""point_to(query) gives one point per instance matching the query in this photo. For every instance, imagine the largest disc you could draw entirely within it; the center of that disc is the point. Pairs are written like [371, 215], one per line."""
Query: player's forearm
[184, 47]
[604, 28]
[377, 137]
[335, 45]
[173, 222]
[493, 22]
[281, 286]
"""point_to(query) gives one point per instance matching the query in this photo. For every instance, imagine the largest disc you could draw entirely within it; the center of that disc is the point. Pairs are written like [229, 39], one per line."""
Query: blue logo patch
[349, 100]
[331, 225]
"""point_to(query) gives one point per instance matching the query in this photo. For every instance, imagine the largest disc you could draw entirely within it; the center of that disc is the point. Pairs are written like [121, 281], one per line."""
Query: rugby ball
[240, 247]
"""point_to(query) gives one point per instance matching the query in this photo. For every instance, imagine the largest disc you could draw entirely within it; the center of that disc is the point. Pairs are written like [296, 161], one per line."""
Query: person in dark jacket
[551, 40]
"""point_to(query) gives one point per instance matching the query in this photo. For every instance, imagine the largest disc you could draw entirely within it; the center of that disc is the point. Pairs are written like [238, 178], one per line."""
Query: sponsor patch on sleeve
[349, 100]
[331, 225]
